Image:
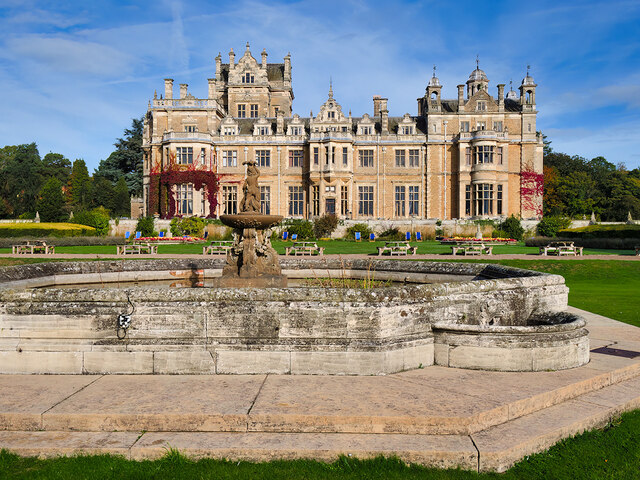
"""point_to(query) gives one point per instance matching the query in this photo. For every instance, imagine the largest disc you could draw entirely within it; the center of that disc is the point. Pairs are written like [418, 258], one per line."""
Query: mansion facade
[474, 156]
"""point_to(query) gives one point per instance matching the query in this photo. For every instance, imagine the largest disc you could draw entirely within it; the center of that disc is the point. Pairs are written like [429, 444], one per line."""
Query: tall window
[254, 110]
[316, 155]
[484, 154]
[230, 199]
[467, 155]
[464, 126]
[399, 200]
[499, 200]
[467, 199]
[484, 199]
[333, 155]
[345, 156]
[242, 110]
[366, 158]
[344, 200]
[414, 157]
[229, 158]
[315, 192]
[184, 197]
[295, 158]
[400, 158]
[265, 200]
[296, 201]
[184, 155]
[365, 200]
[326, 155]
[414, 200]
[263, 157]
[203, 155]
[499, 155]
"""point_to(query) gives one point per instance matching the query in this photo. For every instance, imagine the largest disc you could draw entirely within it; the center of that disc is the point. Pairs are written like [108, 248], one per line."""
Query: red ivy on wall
[531, 190]
[161, 198]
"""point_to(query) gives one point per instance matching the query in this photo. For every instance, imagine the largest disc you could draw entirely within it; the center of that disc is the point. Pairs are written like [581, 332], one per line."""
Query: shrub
[325, 225]
[602, 231]
[303, 228]
[600, 243]
[500, 234]
[65, 241]
[145, 225]
[550, 225]
[392, 234]
[363, 228]
[40, 230]
[97, 218]
[192, 226]
[512, 227]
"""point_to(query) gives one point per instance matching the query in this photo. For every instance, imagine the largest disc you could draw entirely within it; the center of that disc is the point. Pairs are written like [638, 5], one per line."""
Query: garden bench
[304, 248]
[30, 247]
[472, 249]
[397, 248]
[217, 247]
[137, 249]
[560, 249]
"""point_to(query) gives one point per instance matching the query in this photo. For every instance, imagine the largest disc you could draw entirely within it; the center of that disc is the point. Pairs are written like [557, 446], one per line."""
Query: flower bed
[472, 240]
[169, 239]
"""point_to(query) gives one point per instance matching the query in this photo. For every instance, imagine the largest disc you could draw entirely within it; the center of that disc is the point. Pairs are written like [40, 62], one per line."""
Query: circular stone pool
[454, 314]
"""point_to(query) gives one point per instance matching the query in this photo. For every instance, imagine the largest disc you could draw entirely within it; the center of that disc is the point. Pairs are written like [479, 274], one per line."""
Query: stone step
[494, 449]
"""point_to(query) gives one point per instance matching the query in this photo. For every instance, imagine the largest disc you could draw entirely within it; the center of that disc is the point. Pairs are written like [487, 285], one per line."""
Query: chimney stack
[183, 90]
[212, 87]
[460, 97]
[232, 60]
[168, 88]
[280, 122]
[384, 116]
[287, 68]
[264, 59]
[376, 105]
[501, 97]
[218, 67]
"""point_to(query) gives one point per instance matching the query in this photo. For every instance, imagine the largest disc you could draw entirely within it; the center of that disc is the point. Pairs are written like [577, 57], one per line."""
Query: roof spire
[477, 62]
[330, 87]
[434, 71]
[528, 67]
[511, 85]
[247, 46]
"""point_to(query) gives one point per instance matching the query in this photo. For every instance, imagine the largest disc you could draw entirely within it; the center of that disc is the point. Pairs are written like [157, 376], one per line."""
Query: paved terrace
[437, 416]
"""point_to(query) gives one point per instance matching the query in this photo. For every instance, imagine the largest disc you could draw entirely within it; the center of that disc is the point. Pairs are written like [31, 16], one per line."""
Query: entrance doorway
[330, 206]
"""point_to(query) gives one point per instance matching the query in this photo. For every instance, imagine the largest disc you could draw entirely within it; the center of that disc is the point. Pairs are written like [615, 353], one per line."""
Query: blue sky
[74, 73]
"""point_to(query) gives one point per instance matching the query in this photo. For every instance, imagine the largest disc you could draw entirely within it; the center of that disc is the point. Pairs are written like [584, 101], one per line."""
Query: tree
[56, 165]
[103, 193]
[79, 186]
[50, 205]
[121, 199]
[20, 178]
[126, 160]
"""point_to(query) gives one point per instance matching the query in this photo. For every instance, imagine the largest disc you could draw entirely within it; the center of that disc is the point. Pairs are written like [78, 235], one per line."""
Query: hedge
[599, 243]
[602, 231]
[39, 230]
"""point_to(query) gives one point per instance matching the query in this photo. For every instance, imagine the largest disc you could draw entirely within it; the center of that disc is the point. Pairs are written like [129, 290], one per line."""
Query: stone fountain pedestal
[252, 261]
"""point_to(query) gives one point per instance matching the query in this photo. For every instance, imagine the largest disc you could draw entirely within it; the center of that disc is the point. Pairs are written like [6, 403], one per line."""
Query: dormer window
[229, 131]
[366, 130]
[248, 78]
[407, 130]
[481, 106]
[295, 130]
[263, 130]
[331, 115]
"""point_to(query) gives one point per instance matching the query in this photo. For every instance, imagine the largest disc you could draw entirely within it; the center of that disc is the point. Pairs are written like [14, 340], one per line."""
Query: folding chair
[408, 237]
[357, 236]
[138, 235]
[161, 234]
[285, 236]
[418, 236]
[127, 235]
[372, 237]
[294, 237]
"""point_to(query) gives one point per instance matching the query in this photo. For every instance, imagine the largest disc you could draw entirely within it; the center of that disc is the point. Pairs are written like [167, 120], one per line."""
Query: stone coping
[572, 324]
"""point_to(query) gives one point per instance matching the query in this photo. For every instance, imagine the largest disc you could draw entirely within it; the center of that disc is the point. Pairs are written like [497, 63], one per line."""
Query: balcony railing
[184, 103]
[186, 136]
[483, 134]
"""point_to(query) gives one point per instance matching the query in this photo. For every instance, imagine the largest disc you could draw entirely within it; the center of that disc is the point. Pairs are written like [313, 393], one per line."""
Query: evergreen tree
[20, 178]
[79, 186]
[126, 160]
[121, 199]
[56, 165]
[50, 205]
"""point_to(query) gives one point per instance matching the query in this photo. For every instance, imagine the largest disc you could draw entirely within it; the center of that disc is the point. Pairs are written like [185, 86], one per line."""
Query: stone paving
[436, 416]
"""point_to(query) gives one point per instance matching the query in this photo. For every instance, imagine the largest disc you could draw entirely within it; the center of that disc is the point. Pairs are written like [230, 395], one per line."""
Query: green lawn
[611, 453]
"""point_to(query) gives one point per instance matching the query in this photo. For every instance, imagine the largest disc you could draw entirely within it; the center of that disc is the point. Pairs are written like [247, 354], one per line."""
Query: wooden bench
[397, 248]
[136, 249]
[472, 249]
[30, 248]
[560, 249]
[217, 248]
[304, 248]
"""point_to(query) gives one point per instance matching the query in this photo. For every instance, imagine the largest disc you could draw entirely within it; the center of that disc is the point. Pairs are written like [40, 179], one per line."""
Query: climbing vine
[531, 190]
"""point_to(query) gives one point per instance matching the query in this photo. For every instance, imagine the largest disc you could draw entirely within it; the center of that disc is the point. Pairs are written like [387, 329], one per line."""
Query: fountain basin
[309, 330]
[250, 220]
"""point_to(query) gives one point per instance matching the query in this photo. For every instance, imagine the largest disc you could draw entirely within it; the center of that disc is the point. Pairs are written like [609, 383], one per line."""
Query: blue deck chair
[138, 235]
[285, 236]
[357, 236]
[206, 234]
[294, 237]
[372, 237]
[161, 234]
[408, 237]
[418, 236]
[127, 235]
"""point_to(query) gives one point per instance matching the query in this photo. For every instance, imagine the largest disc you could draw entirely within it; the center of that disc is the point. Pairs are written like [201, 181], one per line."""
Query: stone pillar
[168, 88]
[212, 88]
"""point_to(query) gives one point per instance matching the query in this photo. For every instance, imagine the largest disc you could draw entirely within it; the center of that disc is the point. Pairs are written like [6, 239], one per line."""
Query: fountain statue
[252, 261]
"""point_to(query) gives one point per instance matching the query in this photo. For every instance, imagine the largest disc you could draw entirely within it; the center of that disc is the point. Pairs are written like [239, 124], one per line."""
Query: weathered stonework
[282, 330]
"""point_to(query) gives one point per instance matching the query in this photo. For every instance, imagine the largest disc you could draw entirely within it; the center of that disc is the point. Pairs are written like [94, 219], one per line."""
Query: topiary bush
[512, 227]
[363, 228]
[192, 226]
[550, 225]
[325, 225]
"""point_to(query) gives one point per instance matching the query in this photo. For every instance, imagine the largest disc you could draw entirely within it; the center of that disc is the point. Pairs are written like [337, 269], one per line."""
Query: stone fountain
[252, 261]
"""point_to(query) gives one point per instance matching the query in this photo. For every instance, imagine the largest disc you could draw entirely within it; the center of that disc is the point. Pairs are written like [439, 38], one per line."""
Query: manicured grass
[611, 453]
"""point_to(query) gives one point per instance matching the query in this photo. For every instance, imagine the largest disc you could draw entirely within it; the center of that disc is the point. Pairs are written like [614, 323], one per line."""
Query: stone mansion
[473, 156]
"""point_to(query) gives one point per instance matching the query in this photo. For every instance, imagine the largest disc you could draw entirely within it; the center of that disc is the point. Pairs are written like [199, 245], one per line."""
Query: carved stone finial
[247, 46]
